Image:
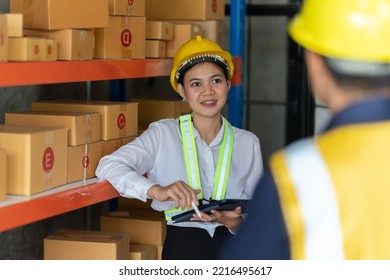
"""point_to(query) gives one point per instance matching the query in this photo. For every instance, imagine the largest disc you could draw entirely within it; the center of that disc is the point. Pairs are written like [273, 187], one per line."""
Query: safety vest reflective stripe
[223, 165]
[191, 160]
[318, 201]
[190, 154]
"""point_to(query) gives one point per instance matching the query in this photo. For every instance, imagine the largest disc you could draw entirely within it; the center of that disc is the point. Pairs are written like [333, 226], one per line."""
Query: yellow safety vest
[191, 160]
[335, 193]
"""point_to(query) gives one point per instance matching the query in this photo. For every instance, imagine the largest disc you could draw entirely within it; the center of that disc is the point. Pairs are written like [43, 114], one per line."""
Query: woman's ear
[181, 91]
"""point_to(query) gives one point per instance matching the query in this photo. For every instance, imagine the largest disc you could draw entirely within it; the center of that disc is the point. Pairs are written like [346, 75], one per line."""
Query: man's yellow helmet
[199, 50]
[356, 30]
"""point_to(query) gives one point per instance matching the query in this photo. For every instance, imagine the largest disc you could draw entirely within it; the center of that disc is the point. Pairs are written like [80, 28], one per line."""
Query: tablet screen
[220, 205]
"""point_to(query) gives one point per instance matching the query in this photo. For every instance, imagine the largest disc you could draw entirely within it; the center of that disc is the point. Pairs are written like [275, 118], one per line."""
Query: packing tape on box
[85, 161]
[88, 132]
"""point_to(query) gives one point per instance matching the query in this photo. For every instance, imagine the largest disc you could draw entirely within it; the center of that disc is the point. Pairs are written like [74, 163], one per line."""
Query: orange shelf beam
[57, 201]
[34, 73]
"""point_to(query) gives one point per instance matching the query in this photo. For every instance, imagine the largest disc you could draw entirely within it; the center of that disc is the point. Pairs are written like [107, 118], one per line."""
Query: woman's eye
[195, 84]
[217, 81]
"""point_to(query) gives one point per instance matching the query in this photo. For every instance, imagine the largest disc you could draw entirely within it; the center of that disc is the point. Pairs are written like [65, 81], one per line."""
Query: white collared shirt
[158, 153]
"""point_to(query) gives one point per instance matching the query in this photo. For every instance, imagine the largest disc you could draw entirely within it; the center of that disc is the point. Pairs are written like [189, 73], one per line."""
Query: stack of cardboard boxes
[68, 23]
[61, 141]
[15, 47]
[118, 120]
[124, 36]
[84, 147]
[105, 29]
[134, 232]
[36, 158]
[158, 33]
[82, 30]
[189, 18]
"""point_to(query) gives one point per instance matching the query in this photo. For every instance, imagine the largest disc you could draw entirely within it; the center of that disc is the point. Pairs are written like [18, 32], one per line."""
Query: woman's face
[206, 89]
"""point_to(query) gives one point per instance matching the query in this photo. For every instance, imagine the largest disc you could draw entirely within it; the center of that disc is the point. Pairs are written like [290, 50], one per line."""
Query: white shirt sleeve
[125, 168]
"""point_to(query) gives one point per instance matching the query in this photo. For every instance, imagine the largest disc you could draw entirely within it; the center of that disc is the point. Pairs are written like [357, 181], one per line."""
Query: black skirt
[185, 243]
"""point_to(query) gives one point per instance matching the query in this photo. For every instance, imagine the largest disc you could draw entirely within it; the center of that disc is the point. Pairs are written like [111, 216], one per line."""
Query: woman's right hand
[179, 192]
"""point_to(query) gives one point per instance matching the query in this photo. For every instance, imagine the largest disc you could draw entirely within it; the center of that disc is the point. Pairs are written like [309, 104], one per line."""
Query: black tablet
[220, 205]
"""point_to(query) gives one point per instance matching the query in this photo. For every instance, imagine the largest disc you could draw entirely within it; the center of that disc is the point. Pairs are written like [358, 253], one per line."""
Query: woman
[192, 159]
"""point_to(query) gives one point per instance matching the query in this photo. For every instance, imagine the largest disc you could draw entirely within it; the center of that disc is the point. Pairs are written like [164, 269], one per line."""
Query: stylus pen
[196, 209]
[194, 205]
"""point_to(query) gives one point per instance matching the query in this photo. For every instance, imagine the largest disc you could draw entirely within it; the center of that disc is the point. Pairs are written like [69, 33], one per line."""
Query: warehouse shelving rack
[17, 210]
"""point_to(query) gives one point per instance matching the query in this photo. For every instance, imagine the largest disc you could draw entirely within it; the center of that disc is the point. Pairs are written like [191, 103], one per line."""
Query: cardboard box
[85, 245]
[150, 110]
[36, 158]
[111, 146]
[185, 9]
[32, 49]
[72, 44]
[3, 174]
[118, 119]
[123, 38]
[181, 34]
[15, 25]
[130, 204]
[142, 252]
[83, 160]
[211, 29]
[159, 30]
[134, 8]
[82, 127]
[159, 252]
[147, 230]
[3, 38]
[57, 14]
[155, 49]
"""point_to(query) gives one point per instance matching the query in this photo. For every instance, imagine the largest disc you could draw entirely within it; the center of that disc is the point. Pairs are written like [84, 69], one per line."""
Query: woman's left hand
[230, 219]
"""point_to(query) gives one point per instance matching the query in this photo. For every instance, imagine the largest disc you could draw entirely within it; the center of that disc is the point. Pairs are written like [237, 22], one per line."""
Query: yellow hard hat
[347, 29]
[199, 50]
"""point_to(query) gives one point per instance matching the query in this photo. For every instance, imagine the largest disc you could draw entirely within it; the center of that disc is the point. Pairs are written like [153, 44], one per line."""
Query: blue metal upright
[237, 49]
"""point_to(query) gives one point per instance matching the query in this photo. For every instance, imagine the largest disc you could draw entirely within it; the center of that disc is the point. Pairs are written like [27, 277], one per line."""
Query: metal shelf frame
[16, 210]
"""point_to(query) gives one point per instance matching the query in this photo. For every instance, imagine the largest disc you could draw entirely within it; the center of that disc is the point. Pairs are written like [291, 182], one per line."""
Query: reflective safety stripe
[191, 160]
[318, 201]
[190, 154]
[223, 165]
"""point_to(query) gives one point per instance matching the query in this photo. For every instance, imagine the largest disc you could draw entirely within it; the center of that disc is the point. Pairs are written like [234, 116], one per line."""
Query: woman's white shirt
[158, 153]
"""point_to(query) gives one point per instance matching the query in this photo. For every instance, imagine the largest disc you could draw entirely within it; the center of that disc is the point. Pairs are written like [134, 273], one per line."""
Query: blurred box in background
[127, 8]
[150, 110]
[31, 49]
[54, 14]
[36, 158]
[155, 49]
[86, 245]
[185, 9]
[3, 38]
[72, 44]
[159, 30]
[123, 38]
[3, 174]
[82, 127]
[118, 119]
[83, 160]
